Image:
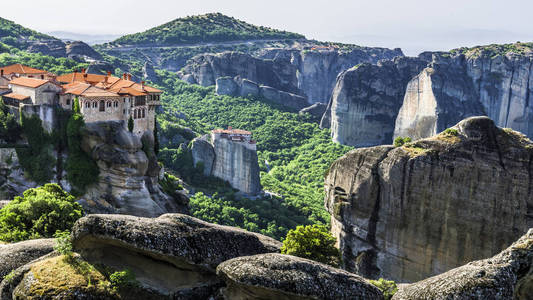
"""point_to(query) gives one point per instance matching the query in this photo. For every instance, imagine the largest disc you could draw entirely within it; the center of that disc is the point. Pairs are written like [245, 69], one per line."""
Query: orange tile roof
[21, 69]
[80, 77]
[28, 82]
[16, 96]
[86, 90]
[113, 84]
[131, 91]
[98, 92]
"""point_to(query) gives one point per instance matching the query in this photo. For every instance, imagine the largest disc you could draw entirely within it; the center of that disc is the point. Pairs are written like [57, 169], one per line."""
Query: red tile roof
[232, 131]
[28, 82]
[86, 90]
[16, 96]
[21, 69]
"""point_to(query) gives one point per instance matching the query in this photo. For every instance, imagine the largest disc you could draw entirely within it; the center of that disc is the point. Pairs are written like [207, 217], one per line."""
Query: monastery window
[115, 103]
[123, 111]
[102, 105]
[108, 104]
[135, 114]
[68, 101]
[87, 104]
[144, 113]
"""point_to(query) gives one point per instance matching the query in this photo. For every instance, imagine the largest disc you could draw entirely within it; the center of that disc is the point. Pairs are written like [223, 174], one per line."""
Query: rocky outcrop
[149, 72]
[246, 88]
[18, 254]
[316, 110]
[100, 67]
[410, 212]
[232, 161]
[202, 151]
[277, 276]
[508, 275]
[55, 48]
[126, 183]
[12, 180]
[175, 255]
[492, 80]
[206, 68]
[81, 51]
[366, 101]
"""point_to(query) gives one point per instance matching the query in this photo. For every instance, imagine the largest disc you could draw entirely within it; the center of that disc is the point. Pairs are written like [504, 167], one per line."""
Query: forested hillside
[13, 34]
[293, 155]
[213, 27]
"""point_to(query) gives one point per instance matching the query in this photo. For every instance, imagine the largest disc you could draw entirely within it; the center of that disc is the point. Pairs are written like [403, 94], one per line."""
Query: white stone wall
[90, 109]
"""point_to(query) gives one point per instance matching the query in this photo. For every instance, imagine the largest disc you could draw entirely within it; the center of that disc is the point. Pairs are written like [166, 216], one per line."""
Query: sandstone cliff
[366, 100]
[492, 80]
[301, 72]
[128, 177]
[421, 209]
[235, 162]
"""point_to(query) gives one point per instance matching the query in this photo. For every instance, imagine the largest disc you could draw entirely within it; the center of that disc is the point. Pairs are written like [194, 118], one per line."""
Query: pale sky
[413, 25]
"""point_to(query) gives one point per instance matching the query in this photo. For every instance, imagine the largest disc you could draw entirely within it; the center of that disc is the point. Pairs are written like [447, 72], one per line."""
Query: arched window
[102, 105]
[95, 104]
[87, 104]
[144, 113]
[135, 114]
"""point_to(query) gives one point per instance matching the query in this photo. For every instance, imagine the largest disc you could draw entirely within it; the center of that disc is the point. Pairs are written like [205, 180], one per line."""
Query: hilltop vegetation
[14, 34]
[294, 154]
[213, 27]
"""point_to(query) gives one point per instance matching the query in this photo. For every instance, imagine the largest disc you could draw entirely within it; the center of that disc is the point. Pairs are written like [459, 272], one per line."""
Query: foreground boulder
[283, 277]
[507, 275]
[406, 213]
[15, 255]
[174, 255]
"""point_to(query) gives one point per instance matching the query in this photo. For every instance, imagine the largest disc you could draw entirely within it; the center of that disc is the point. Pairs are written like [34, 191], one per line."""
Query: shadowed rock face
[508, 275]
[284, 277]
[448, 88]
[81, 50]
[366, 100]
[128, 177]
[174, 254]
[16, 255]
[414, 211]
[310, 74]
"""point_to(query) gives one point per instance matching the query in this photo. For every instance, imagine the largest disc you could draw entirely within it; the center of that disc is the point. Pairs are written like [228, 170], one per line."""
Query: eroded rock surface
[82, 51]
[410, 212]
[174, 254]
[508, 275]
[18, 254]
[128, 178]
[284, 277]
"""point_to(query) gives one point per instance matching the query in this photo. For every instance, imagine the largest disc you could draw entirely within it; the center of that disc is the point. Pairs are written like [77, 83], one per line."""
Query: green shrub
[10, 130]
[40, 212]
[122, 279]
[451, 131]
[400, 141]
[312, 242]
[82, 170]
[63, 243]
[387, 287]
[131, 124]
[36, 160]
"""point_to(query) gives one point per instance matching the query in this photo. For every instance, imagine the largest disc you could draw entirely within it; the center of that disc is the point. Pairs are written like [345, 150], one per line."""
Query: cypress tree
[130, 124]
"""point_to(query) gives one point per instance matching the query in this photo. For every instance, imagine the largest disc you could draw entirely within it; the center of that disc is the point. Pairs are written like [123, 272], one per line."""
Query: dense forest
[213, 27]
[294, 154]
[19, 36]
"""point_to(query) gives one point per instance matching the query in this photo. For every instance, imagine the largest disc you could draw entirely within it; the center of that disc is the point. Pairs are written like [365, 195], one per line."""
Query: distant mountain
[91, 39]
[214, 27]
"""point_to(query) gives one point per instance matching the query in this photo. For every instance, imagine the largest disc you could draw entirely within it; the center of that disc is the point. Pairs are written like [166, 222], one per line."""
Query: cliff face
[128, 182]
[235, 162]
[366, 100]
[491, 80]
[302, 72]
[410, 212]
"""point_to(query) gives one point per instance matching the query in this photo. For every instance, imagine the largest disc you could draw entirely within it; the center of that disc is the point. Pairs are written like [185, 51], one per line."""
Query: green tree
[312, 242]
[400, 141]
[82, 170]
[40, 212]
[76, 109]
[131, 124]
[387, 287]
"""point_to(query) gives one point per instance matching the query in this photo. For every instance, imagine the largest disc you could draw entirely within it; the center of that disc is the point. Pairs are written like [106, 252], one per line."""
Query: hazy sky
[413, 25]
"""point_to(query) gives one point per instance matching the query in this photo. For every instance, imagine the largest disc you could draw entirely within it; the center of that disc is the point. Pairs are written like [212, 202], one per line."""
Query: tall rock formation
[492, 80]
[409, 212]
[309, 73]
[126, 182]
[230, 159]
[366, 100]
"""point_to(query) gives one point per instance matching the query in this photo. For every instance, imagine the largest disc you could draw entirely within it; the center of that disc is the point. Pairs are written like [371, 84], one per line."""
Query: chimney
[124, 76]
[109, 73]
[142, 84]
[129, 77]
[85, 76]
[83, 70]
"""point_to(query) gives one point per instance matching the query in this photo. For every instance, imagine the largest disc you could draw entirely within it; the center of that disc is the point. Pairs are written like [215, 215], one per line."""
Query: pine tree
[131, 125]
